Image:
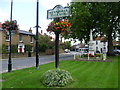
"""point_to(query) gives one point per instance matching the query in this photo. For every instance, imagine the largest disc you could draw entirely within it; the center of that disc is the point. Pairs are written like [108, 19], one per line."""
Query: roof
[102, 39]
[98, 38]
[25, 32]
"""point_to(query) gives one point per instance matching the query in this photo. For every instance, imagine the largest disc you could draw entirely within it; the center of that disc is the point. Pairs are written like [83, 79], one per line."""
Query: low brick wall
[17, 55]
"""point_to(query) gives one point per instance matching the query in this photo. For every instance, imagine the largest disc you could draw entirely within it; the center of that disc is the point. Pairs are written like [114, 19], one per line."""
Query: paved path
[19, 63]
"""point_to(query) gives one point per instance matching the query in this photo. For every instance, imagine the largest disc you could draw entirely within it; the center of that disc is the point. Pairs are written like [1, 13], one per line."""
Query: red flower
[48, 30]
[69, 24]
[57, 28]
[0, 24]
[63, 29]
[61, 21]
[63, 25]
[50, 37]
[65, 19]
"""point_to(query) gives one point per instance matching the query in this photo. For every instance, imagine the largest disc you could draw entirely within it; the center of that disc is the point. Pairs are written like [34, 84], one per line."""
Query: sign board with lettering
[57, 12]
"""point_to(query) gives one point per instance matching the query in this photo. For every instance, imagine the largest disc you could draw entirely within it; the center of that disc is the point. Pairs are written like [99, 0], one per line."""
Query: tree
[110, 21]
[67, 44]
[45, 43]
[103, 18]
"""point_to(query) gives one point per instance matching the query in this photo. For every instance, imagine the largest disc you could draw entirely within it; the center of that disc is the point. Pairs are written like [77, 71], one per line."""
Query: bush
[56, 77]
[86, 55]
[98, 55]
[4, 49]
[28, 48]
[42, 47]
[14, 48]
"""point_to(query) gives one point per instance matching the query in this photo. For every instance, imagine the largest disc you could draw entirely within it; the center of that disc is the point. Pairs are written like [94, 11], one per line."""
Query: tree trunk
[110, 43]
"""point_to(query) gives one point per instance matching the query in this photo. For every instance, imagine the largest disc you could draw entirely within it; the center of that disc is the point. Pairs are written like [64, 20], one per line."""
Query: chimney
[41, 31]
[30, 30]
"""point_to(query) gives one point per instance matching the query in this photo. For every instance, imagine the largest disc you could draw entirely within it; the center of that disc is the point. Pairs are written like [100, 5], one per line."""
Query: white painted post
[88, 56]
[74, 57]
[104, 56]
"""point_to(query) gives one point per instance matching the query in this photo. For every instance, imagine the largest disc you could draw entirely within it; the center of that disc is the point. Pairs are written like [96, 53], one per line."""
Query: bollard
[74, 57]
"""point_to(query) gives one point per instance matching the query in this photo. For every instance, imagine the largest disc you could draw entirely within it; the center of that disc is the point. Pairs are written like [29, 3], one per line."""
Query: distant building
[99, 45]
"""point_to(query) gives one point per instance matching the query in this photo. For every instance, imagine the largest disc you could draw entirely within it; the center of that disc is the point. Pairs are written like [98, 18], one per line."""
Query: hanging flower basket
[10, 26]
[62, 26]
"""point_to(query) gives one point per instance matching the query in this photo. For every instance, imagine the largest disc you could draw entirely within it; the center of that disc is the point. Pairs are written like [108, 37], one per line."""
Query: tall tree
[102, 17]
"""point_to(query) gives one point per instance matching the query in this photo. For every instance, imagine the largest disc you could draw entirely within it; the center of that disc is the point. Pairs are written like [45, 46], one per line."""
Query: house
[23, 41]
[98, 45]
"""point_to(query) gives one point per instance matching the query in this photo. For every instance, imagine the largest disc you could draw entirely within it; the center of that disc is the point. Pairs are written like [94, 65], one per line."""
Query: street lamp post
[9, 61]
[37, 26]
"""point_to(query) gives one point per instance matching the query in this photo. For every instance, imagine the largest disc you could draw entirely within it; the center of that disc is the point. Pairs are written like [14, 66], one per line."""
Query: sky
[24, 11]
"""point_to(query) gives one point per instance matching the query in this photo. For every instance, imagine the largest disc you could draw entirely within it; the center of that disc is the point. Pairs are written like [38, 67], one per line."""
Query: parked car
[67, 50]
[116, 52]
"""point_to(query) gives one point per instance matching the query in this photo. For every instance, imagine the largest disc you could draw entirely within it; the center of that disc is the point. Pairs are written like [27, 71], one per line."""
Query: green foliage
[56, 77]
[102, 17]
[45, 43]
[0, 48]
[4, 49]
[67, 44]
[98, 55]
[28, 48]
[43, 47]
[14, 48]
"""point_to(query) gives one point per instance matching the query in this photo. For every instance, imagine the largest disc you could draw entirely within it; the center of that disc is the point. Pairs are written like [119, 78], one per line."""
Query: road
[20, 63]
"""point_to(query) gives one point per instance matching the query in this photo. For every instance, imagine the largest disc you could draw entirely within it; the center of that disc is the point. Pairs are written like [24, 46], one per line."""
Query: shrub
[98, 55]
[42, 47]
[56, 77]
[4, 49]
[28, 48]
[14, 48]
[86, 55]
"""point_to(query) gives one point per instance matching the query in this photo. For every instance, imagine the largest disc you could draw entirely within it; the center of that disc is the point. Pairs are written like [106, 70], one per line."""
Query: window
[31, 39]
[96, 42]
[7, 49]
[104, 43]
[20, 38]
[96, 49]
[7, 38]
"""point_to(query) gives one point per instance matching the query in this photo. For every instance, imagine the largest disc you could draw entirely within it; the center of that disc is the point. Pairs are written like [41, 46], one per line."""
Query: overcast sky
[24, 11]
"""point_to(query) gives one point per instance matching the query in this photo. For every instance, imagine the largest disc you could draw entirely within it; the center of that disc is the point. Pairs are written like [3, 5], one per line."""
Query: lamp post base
[9, 67]
[37, 68]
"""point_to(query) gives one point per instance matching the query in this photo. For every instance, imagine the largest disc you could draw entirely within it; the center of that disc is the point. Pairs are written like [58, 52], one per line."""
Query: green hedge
[13, 49]
[28, 48]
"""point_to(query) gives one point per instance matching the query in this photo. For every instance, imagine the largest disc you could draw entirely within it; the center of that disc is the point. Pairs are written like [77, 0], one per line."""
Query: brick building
[21, 40]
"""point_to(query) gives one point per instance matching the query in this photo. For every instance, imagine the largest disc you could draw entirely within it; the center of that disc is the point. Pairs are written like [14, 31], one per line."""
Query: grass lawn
[86, 74]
